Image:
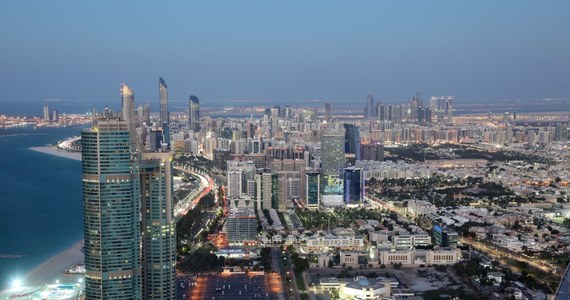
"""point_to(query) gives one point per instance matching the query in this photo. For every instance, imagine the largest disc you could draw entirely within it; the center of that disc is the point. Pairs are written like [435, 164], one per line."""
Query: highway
[190, 201]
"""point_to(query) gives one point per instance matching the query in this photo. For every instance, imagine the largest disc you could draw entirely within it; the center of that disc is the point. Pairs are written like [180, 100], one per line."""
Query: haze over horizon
[476, 51]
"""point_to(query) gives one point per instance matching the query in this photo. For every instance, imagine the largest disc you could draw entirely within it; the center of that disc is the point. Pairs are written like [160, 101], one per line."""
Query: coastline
[52, 269]
[57, 152]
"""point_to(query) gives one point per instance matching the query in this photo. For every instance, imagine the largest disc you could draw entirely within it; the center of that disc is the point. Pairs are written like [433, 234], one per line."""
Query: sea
[40, 200]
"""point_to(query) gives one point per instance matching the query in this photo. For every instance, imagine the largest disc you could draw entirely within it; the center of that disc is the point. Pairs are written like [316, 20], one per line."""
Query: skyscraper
[441, 109]
[352, 140]
[332, 153]
[46, 113]
[370, 108]
[353, 185]
[111, 211]
[164, 114]
[128, 111]
[313, 190]
[328, 111]
[163, 98]
[194, 113]
[158, 227]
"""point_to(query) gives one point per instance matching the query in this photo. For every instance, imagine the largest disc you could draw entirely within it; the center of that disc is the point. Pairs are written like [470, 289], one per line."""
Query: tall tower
[353, 185]
[352, 140]
[163, 98]
[194, 113]
[313, 189]
[328, 111]
[158, 227]
[370, 109]
[164, 114]
[46, 113]
[128, 111]
[111, 210]
[332, 153]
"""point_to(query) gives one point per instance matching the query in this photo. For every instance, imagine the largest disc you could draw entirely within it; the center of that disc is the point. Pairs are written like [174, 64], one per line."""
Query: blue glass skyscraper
[111, 212]
[353, 185]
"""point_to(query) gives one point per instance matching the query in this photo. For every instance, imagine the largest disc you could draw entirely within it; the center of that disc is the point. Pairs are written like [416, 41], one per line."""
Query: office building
[370, 110]
[332, 153]
[353, 185]
[194, 113]
[242, 226]
[111, 207]
[444, 237]
[313, 189]
[352, 140]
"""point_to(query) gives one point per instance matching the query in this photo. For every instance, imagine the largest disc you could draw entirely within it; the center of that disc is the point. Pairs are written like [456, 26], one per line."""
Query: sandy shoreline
[57, 152]
[52, 269]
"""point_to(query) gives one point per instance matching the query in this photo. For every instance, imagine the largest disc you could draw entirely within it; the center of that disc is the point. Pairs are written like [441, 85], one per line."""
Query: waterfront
[41, 200]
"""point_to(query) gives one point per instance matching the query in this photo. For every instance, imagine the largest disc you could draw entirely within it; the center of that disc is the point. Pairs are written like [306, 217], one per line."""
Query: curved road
[206, 184]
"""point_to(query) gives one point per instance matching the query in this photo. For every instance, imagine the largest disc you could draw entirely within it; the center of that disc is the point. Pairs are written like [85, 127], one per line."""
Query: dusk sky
[284, 50]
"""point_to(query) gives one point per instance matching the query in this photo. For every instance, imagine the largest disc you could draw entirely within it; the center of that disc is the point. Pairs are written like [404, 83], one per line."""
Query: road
[501, 253]
[206, 184]
[277, 264]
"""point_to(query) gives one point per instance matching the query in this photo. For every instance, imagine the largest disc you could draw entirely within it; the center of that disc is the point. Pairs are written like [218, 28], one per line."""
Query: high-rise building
[353, 185]
[328, 111]
[111, 208]
[313, 189]
[128, 111]
[441, 109]
[164, 114]
[54, 116]
[194, 113]
[332, 153]
[370, 108]
[267, 191]
[163, 99]
[242, 225]
[46, 113]
[158, 259]
[372, 151]
[352, 140]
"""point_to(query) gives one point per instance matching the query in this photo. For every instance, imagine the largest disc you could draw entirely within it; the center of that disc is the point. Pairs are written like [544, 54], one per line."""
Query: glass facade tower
[164, 114]
[128, 110]
[111, 212]
[163, 99]
[158, 227]
[353, 185]
[313, 189]
[194, 113]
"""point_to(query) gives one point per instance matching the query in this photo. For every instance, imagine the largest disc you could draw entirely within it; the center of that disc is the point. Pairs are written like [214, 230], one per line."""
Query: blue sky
[284, 50]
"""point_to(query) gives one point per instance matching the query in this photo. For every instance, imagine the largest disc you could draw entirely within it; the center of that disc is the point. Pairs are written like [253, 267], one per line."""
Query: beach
[52, 269]
[58, 152]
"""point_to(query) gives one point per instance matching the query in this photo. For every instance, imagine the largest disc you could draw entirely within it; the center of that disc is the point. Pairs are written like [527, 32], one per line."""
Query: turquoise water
[40, 199]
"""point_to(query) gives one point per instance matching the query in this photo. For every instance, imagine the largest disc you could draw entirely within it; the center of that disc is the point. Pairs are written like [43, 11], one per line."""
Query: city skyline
[299, 150]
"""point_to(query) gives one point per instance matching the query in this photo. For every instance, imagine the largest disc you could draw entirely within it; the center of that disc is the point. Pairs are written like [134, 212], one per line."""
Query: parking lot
[220, 286]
